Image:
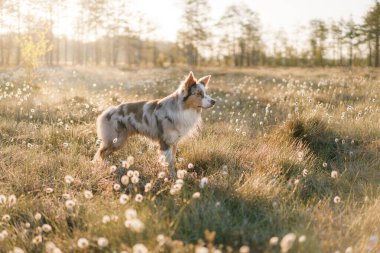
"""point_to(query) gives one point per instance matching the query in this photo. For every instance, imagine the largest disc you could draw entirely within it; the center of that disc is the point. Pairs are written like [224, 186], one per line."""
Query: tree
[317, 40]
[194, 35]
[372, 26]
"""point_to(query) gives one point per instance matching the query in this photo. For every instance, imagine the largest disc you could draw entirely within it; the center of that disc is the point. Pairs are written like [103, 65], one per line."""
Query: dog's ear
[190, 80]
[204, 80]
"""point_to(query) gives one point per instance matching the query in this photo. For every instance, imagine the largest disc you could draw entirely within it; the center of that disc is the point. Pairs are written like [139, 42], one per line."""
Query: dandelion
[135, 180]
[37, 239]
[160, 239]
[130, 214]
[66, 196]
[305, 172]
[196, 195]
[106, 219]
[124, 180]
[114, 218]
[17, 250]
[102, 242]
[147, 187]
[181, 174]
[130, 160]
[324, 165]
[6, 218]
[82, 243]
[334, 174]
[273, 241]
[37, 216]
[65, 145]
[12, 200]
[3, 199]
[336, 199]
[123, 199]
[201, 249]
[69, 179]
[49, 190]
[302, 239]
[116, 187]
[204, 182]
[336, 140]
[190, 166]
[139, 248]
[69, 204]
[27, 225]
[112, 169]
[88, 194]
[46, 228]
[349, 250]
[135, 225]
[50, 247]
[287, 242]
[244, 249]
[139, 198]
[114, 140]
[161, 174]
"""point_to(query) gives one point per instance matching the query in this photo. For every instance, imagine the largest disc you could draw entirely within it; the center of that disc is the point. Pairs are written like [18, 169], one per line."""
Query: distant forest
[109, 32]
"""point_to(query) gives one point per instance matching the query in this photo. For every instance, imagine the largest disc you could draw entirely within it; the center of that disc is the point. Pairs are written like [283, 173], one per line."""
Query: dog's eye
[199, 94]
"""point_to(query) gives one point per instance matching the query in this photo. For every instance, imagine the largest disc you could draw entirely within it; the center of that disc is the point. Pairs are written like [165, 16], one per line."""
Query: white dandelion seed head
[287, 242]
[302, 239]
[37, 216]
[49, 190]
[46, 228]
[203, 182]
[88, 194]
[139, 248]
[337, 199]
[130, 173]
[49, 247]
[124, 180]
[161, 174]
[349, 250]
[106, 219]
[190, 166]
[82, 243]
[244, 249]
[130, 214]
[130, 160]
[116, 187]
[114, 218]
[201, 249]
[69, 179]
[136, 173]
[274, 240]
[12, 200]
[66, 196]
[125, 164]
[6, 218]
[334, 174]
[37, 239]
[139, 197]
[135, 225]
[114, 140]
[305, 172]
[123, 199]
[17, 250]
[148, 187]
[65, 145]
[196, 195]
[102, 242]
[160, 239]
[181, 174]
[324, 165]
[113, 168]
[135, 180]
[180, 182]
[70, 204]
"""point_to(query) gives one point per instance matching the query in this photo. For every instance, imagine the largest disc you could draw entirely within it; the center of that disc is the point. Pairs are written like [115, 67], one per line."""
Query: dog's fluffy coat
[167, 120]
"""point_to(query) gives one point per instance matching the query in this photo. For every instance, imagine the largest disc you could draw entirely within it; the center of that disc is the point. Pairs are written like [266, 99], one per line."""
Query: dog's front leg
[167, 153]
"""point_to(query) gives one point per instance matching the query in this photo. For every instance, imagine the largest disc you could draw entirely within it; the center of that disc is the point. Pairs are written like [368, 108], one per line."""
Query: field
[288, 160]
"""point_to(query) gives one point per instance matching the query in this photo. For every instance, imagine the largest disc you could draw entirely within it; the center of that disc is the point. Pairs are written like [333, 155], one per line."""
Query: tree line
[110, 32]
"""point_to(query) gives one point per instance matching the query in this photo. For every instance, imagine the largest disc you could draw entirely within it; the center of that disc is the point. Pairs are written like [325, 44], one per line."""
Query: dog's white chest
[185, 124]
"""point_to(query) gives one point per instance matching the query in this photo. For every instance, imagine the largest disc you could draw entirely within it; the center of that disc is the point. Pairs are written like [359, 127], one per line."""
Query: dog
[167, 120]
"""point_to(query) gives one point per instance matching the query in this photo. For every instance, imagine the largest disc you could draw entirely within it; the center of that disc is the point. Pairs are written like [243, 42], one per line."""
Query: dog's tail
[104, 125]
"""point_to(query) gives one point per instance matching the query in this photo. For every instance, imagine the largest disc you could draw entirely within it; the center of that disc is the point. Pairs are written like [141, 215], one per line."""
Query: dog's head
[193, 92]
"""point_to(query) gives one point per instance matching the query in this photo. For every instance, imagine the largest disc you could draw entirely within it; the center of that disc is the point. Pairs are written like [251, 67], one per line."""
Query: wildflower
[12, 200]
[139, 198]
[135, 225]
[38, 230]
[196, 195]
[349, 250]
[136, 173]
[125, 164]
[113, 169]
[179, 182]
[3, 199]
[114, 218]
[160, 175]
[181, 174]
[204, 182]
[69, 179]
[336, 140]
[6, 218]
[160, 239]
[69, 204]
[201, 249]
[324, 165]
[37, 239]
[305, 172]
[82, 243]
[302, 239]
[124, 180]
[139, 248]
[244, 249]
[106, 219]
[337, 199]
[135, 180]
[66, 196]
[37, 216]
[102, 242]
[88, 194]
[130, 160]
[334, 174]
[190, 166]
[65, 145]
[46, 228]
[130, 173]
[273, 241]
[147, 187]
[123, 199]
[116, 187]
[130, 214]
[287, 242]
[17, 250]
[49, 190]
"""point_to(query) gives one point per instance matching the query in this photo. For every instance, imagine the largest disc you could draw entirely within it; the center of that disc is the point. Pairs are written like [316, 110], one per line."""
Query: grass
[267, 148]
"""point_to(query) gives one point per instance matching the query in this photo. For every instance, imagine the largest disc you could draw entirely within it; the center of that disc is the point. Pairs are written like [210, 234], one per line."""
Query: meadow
[287, 161]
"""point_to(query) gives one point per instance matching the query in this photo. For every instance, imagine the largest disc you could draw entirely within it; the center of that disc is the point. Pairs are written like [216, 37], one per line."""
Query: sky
[275, 15]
